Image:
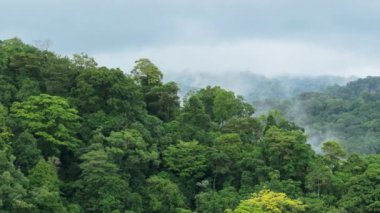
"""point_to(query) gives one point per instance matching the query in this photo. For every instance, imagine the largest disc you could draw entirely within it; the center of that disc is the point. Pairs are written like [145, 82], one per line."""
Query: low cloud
[267, 57]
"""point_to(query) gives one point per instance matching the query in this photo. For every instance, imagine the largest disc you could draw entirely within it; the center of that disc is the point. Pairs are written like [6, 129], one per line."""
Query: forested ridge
[77, 137]
[349, 113]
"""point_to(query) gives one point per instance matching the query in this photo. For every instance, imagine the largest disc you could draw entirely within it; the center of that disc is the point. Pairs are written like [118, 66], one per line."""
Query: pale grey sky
[271, 37]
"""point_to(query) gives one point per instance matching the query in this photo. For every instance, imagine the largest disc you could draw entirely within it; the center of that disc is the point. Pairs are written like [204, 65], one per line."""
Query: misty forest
[78, 137]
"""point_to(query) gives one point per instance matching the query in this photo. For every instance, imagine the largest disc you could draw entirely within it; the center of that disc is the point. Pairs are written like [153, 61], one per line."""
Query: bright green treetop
[267, 201]
[50, 119]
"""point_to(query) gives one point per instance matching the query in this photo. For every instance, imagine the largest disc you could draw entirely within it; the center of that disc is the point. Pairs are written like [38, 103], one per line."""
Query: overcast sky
[271, 37]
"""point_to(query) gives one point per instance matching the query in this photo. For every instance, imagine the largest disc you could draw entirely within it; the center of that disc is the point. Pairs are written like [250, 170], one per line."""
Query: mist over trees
[254, 87]
[77, 137]
[347, 113]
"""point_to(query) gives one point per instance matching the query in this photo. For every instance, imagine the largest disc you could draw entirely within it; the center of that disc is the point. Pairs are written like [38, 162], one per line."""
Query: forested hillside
[349, 113]
[76, 137]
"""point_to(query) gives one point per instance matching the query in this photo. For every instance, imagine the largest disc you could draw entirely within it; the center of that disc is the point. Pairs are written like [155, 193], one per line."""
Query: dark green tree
[101, 187]
[44, 183]
[146, 74]
[26, 151]
[320, 178]
[215, 202]
[163, 101]
[363, 190]
[107, 90]
[193, 123]
[163, 195]
[333, 152]
[223, 155]
[59, 76]
[186, 159]
[226, 105]
[5, 131]
[13, 186]
[287, 152]
[132, 154]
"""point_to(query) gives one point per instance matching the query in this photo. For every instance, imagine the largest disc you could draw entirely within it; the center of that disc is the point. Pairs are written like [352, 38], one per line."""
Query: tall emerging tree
[146, 74]
[333, 150]
[226, 105]
[82, 61]
[333, 153]
[161, 99]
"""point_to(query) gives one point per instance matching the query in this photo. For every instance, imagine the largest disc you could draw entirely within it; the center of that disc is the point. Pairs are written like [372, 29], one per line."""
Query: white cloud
[268, 57]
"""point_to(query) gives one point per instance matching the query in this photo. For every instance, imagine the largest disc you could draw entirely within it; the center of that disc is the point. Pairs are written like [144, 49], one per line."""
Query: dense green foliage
[75, 137]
